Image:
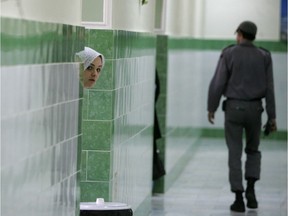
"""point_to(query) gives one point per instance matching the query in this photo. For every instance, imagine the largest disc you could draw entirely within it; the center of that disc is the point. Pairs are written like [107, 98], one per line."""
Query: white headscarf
[88, 55]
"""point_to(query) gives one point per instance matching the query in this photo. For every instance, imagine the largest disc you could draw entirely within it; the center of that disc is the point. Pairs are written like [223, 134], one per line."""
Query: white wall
[218, 19]
[280, 81]
[179, 17]
[223, 16]
[56, 11]
[211, 19]
[128, 15]
[131, 15]
[189, 76]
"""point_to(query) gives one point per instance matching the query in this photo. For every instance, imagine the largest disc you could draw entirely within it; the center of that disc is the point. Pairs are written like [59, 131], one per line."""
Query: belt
[246, 100]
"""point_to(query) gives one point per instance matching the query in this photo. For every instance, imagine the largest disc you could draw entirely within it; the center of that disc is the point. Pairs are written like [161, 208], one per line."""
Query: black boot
[238, 205]
[250, 194]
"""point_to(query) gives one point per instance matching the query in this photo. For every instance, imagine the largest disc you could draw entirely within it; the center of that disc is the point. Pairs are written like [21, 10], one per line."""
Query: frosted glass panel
[158, 14]
[92, 10]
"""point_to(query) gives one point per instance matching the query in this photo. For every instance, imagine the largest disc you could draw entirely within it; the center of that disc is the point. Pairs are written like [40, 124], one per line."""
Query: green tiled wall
[178, 142]
[118, 120]
[161, 64]
[40, 105]
[200, 44]
[40, 127]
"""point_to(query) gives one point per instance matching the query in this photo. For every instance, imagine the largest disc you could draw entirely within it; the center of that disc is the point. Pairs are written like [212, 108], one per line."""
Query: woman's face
[92, 73]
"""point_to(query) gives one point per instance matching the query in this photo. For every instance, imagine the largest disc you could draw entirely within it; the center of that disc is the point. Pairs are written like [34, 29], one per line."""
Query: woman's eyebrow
[94, 65]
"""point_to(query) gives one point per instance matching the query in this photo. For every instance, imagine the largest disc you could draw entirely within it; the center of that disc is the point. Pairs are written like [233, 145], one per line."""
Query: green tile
[85, 103]
[220, 133]
[102, 41]
[44, 42]
[98, 166]
[100, 105]
[204, 44]
[215, 132]
[97, 135]
[29, 43]
[162, 124]
[161, 65]
[90, 191]
[162, 44]
[81, 90]
[161, 104]
[84, 165]
[117, 42]
[78, 178]
[124, 100]
[80, 116]
[79, 152]
[133, 44]
[159, 186]
[106, 79]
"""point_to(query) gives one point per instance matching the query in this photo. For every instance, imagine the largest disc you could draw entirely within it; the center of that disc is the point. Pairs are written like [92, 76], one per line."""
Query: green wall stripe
[116, 44]
[219, 133]
[273, 46]
[39, 42]
[202, 44]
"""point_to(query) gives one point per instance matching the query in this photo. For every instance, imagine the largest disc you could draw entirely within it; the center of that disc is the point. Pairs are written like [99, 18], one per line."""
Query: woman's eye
[98, 69]
[89, 68]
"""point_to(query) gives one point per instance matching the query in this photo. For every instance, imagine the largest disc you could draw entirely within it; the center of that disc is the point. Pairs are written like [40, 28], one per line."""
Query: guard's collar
[245, 42]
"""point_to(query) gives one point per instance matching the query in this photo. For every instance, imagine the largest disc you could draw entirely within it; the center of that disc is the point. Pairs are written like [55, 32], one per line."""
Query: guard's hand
[273, 125]
[211, 117]
[270, 126]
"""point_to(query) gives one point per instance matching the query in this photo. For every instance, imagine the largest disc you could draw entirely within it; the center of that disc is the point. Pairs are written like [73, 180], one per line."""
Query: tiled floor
[203, 190]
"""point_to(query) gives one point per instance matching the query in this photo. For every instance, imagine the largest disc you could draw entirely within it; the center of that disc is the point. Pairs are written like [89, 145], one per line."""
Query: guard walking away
[243, 75]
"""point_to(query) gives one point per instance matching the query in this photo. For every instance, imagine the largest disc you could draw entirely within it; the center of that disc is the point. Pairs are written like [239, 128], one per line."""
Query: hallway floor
[203, 190]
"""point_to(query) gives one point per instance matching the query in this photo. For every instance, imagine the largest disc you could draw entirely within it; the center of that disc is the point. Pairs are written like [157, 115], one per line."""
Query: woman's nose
[93, 73]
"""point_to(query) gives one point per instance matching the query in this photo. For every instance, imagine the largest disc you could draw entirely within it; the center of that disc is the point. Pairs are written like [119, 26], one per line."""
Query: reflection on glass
[93, 63]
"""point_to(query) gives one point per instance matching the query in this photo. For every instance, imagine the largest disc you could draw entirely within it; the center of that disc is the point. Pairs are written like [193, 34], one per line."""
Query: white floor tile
[202, 189]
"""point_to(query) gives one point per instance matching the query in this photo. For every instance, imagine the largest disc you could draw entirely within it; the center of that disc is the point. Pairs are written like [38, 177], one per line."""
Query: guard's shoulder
[225, 50]
[265, 50]
[228, 47]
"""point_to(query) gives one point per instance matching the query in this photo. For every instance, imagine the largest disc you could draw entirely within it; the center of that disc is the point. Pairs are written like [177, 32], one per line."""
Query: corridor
[203, 190]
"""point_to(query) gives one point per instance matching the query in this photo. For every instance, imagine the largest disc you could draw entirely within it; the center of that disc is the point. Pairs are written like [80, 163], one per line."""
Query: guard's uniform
[244, 76]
